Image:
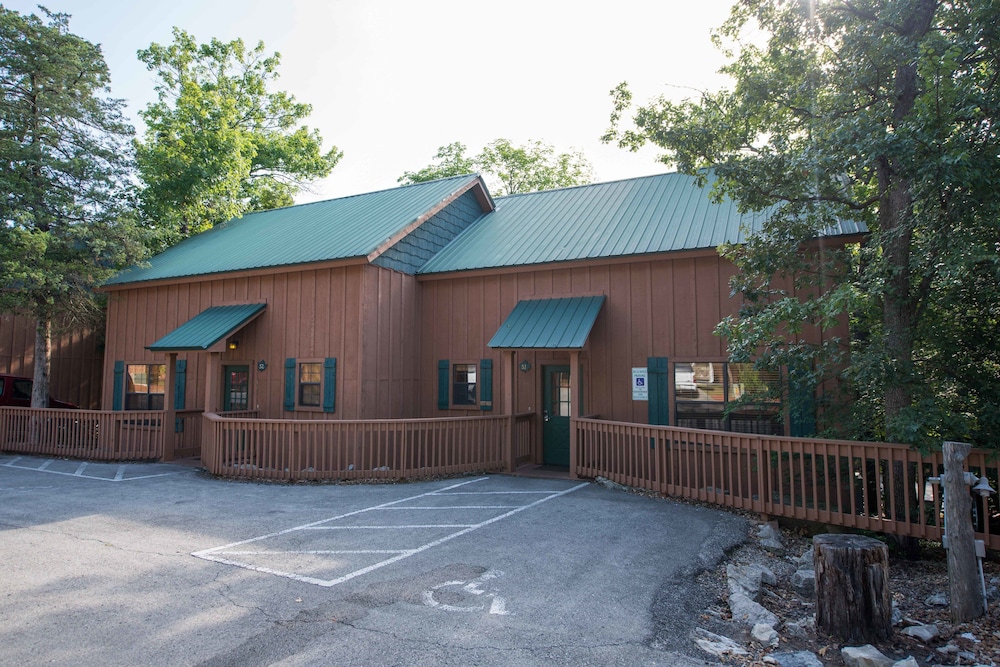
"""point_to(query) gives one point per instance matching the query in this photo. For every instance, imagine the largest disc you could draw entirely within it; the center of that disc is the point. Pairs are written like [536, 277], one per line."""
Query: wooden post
[507, 358]
[170, 408]
[213, 375]
[574, 407]
[852, 587]
[966, 595]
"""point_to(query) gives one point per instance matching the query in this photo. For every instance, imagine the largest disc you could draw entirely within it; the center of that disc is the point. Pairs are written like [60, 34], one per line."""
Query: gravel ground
[911, 583]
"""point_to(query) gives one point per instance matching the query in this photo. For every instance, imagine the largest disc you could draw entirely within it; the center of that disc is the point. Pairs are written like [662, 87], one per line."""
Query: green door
[236, 393]
[555, 430]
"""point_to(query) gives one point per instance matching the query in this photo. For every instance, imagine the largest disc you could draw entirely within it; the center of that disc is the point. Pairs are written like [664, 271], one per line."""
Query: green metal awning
[554, 324]
[208, 327]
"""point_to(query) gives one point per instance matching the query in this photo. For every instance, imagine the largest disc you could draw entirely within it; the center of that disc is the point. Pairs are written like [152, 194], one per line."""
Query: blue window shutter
[485, 384]
[180, 383]
[659, 391]
[119, 386]
[443, 378]
[329, 385]
[290, 383]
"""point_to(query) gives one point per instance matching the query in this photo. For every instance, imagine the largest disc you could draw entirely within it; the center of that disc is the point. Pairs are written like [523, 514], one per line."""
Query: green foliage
[217, 143]
[451, 161]
[66, 220]
[509, 169]
[880, 111]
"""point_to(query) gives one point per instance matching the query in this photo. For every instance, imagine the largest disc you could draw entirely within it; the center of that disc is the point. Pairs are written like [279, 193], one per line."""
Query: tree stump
[852, 588]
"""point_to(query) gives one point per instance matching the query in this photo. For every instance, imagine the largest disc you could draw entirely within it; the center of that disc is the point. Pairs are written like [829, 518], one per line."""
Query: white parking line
[119, 475]
[221, 554]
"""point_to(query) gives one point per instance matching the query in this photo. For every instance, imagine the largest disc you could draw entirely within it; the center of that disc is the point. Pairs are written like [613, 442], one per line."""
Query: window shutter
[485, 384]
[329, 385]
[119, 386]
[180, 383]
[659, 391]
[801, 404]
[443, 381]
[290, 383]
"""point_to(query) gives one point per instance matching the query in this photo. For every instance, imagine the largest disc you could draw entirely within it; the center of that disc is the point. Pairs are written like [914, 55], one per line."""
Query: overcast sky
[392, 80]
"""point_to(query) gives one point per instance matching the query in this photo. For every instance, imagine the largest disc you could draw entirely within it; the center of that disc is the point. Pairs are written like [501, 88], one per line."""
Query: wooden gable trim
[244, 273]
[481, 196]
[569, 264]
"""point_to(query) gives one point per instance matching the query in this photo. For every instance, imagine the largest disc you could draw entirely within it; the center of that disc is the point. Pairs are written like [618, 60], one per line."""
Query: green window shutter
[801, 404]
[180, 383]
[119, 386]
[485, 384]
[443, 381]
[290, 383]
[329, 385]
[659, 391]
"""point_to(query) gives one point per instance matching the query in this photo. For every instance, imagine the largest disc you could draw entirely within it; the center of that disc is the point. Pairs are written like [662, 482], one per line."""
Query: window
[728, 397]
[463, 387]
[310, 384]
[22, 390]
[145, 386]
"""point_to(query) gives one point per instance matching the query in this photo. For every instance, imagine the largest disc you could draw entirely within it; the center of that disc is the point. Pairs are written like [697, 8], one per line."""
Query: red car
[16, 391]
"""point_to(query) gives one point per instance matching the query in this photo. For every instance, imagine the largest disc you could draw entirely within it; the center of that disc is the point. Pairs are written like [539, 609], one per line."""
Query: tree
[451, 162]
[65, 222]
[217, 143]
[882, 111]
[509, 169]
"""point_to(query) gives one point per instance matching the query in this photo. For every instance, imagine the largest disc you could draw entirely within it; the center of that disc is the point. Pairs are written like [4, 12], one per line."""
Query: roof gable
[360, 226]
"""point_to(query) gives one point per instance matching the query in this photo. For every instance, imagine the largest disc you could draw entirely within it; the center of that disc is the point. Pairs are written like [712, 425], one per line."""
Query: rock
[797, 659]
[906, 662]
[993, 593]
[747, 579]
[864, 656]
[924, 633]
[748, 612]
[608, 484]
[717, 644]
[801, 627]
[764, 634]
[806, 559]
[897, 615]
[804, 582]
[770, 536]
[971, 637]
[936, 600]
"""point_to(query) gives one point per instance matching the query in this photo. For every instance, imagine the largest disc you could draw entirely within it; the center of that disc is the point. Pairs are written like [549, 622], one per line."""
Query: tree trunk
[43, 349]
[852, 588]
[966, 595]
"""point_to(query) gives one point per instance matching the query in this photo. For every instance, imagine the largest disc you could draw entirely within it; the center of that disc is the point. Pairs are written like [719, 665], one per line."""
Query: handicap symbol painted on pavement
[477, 596]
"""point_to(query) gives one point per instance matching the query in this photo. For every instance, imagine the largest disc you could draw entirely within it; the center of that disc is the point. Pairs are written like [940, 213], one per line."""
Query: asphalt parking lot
[160, 564]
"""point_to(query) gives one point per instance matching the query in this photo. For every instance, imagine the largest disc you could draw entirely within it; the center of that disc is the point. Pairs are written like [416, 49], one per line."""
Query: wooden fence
[871, 486]
[281, 449]
[85, 434]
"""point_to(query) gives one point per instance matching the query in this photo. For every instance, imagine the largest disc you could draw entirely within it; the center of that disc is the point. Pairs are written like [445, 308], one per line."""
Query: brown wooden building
[433, 299]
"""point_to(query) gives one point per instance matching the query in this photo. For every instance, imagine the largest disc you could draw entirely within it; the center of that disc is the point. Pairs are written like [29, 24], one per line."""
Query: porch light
[233, 344]
[983, 488]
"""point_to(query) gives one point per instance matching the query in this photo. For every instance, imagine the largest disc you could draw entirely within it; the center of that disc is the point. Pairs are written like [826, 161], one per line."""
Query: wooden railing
[871, 486]
[86, 434]
[523, 443]
[279, 449]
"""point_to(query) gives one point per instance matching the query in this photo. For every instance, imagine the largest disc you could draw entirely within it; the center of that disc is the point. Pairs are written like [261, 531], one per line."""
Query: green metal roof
[549, 323]
[207, 328]
[335, 229]
[636, 216]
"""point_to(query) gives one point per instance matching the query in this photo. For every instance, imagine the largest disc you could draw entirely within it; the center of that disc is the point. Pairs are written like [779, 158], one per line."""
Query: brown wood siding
[659, 307]
[76, 361]
[364, 316]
